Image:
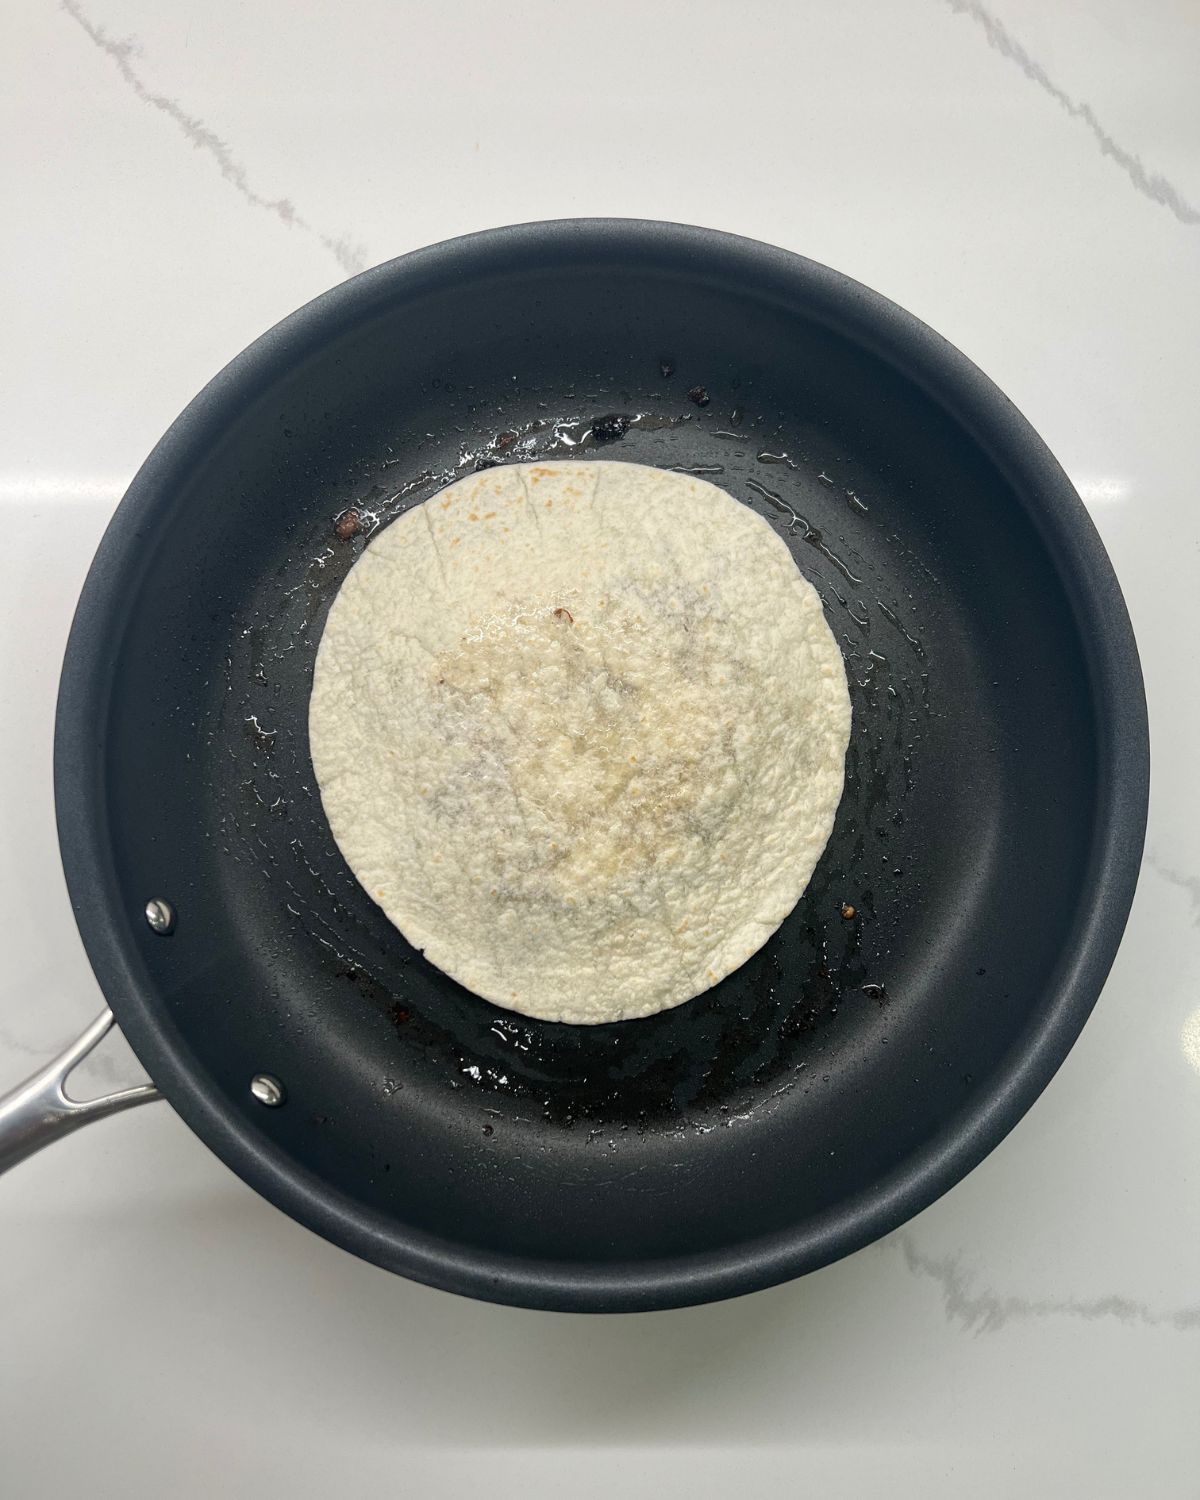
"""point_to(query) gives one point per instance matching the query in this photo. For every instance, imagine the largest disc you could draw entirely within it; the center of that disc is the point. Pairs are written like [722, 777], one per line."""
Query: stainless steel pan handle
[40, 1111]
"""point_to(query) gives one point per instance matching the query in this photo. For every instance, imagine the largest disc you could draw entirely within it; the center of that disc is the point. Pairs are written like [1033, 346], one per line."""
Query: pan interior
[842, 1048]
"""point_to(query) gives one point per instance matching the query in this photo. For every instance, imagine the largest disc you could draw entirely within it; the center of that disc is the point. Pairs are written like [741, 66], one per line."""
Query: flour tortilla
[580, 730]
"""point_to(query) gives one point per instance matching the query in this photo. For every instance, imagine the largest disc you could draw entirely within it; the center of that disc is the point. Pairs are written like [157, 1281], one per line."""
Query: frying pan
[988, 840]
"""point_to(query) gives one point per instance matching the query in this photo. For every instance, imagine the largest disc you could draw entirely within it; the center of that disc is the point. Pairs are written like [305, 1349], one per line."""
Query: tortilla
[580, 730]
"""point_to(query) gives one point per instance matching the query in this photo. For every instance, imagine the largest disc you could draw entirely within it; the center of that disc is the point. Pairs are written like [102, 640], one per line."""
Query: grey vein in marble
[349, 256]
[987, 1312]
[1152, 184]
[97, 1064]
[1188, 883]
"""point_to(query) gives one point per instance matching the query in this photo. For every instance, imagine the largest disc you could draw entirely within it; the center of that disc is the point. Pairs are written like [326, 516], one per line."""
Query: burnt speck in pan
[848, 912]
[398, 1015]
[609, 429]
[874, 991]
[666, 366]
[347, 525]
[699, 396]
[502, 443]
[262, 739]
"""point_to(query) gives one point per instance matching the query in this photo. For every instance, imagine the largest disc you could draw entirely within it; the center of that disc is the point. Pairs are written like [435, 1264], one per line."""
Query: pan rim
[1108, 643]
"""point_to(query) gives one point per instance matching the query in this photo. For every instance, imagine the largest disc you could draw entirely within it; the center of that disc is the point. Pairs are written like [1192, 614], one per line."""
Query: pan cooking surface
[740, 1134]
[656, 1075]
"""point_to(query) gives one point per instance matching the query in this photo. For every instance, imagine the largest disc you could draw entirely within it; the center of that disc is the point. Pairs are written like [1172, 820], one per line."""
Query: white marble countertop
[1024, 177]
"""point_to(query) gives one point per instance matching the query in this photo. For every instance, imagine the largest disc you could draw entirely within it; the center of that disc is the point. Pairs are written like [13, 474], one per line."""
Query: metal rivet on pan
[160, 915]
[267, 1090]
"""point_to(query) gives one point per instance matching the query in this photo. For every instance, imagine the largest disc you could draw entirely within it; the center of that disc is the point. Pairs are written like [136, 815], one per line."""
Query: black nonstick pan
[958, 928]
